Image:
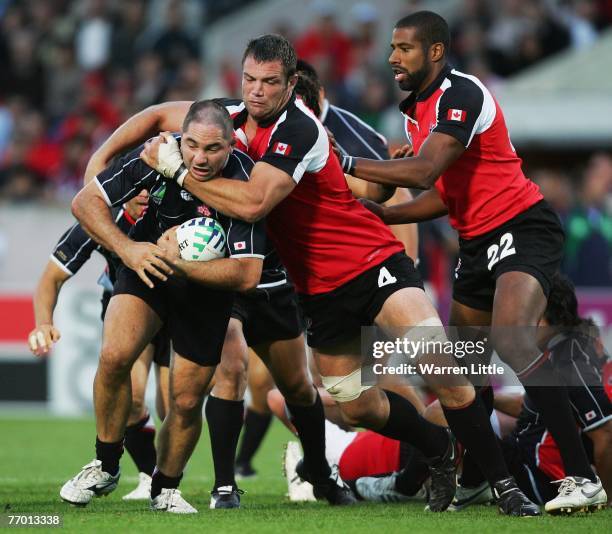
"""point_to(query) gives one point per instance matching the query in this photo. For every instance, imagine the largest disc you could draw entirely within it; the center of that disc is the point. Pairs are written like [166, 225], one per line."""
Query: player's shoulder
[239, 165]
[353, 122]
[233, 105]
[460, 84]
[299, 118]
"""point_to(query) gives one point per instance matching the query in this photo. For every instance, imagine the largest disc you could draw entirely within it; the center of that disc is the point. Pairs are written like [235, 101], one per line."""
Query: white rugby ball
[201, 239]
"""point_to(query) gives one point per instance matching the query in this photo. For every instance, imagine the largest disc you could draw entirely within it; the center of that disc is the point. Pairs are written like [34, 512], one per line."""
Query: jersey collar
[406, 104]
[269, 122]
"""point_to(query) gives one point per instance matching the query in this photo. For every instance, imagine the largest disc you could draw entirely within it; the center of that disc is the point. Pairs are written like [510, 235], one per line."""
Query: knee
[455, 396]
[137, 409]
[231, 379]
[187, 405]
[115, 362]
[300, 392]
[361, 412]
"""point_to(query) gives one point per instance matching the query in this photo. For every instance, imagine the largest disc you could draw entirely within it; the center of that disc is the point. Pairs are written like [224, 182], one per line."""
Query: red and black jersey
[485, 186]
[323, 235]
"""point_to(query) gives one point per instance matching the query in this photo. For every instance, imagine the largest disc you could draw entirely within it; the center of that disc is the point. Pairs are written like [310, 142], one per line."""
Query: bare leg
[129, 326]
[181, 429]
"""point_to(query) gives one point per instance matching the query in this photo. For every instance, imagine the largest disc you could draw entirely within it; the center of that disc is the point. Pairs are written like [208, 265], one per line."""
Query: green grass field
[38, 455]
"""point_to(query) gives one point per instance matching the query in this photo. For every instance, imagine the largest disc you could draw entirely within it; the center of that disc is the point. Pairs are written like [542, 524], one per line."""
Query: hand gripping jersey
[485, 186]
[323, 235]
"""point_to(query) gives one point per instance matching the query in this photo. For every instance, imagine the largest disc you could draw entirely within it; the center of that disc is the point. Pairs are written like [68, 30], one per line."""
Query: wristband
[179, 175]
[348, 164]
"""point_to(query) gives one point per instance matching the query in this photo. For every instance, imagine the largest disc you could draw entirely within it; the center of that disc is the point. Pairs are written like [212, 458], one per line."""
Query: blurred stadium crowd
[73, 70]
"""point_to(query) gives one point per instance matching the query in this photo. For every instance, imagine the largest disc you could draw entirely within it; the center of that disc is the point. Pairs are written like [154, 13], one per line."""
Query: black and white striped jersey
[169, 205]
[75, 247]
[353, 136]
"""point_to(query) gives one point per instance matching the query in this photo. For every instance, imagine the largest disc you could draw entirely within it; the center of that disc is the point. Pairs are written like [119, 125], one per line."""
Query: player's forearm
[363, 189]
[137, 129]
[414, 172]
[96, 219]
[234, 198]
[426, 206]
[225, 273]
[45, 300]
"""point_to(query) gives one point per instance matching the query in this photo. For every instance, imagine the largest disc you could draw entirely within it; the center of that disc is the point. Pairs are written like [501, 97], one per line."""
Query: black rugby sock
[140, 444]
[412, 475]
[553, 403]
[255, 427]
[406, 424]
[472, 427]
[160, 481]
[310, 424]
[109, 454]
[471, 475]
[224, 424]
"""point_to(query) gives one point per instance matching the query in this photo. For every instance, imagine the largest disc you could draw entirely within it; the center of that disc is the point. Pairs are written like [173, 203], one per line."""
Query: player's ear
[291, 83]
[436, 52]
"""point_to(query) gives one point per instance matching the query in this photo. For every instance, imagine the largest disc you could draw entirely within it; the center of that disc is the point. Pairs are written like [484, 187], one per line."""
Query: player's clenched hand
[374, 207]
[170, 245]
[164, 155]
[146, 259]
[405, 151]
[41, 339]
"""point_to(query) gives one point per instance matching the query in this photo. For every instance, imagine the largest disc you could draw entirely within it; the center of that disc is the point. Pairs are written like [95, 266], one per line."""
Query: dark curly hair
[308, 86]
[562, 307]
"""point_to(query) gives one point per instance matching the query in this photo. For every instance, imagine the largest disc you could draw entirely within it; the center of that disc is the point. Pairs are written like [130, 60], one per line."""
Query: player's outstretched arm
[437, 153]
[428, 205]
[249, 201]
[136, 130]
[94, 214]
[44, 335]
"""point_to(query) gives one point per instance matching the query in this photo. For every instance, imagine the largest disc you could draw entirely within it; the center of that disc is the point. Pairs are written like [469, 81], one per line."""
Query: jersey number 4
[498, 252]
[385, 277]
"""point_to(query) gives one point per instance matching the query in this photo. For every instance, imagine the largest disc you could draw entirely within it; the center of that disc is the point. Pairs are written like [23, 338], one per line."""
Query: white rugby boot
[90, 482]
[142, 492]
[298, 490]
[577, 494]
[170, 500]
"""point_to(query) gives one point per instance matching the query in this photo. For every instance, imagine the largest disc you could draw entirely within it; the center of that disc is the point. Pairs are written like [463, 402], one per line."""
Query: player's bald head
[272, 47]
[210, 113]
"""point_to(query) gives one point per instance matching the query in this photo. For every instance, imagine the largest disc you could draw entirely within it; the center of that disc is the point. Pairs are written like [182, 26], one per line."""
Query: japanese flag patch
[456, 115]
[281, 148]
[240, 245]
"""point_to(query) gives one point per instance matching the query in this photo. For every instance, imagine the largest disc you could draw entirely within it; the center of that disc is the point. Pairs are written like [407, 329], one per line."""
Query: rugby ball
[201, 239]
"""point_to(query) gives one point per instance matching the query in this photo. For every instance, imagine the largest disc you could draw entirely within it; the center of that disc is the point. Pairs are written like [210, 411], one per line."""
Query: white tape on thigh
[344, 388]
[428, 333]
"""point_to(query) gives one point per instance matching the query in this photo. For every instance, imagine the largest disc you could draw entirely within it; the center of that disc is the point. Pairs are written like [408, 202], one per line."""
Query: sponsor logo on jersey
[240, 245]
[281, 148]
[456, 115]
[203, 210]
[186, 196]
[158, 194]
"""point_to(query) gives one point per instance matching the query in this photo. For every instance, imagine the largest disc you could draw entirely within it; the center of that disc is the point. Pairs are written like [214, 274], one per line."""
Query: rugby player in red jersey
[347, 267]
[511, 242]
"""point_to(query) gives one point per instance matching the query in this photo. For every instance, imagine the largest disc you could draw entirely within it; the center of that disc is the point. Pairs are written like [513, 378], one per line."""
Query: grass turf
[38, 455]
